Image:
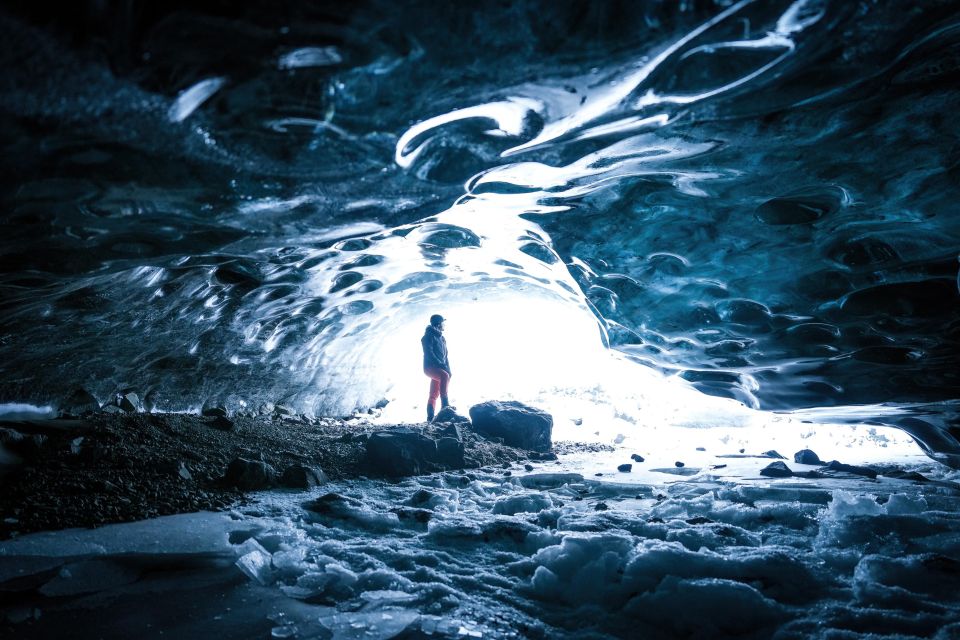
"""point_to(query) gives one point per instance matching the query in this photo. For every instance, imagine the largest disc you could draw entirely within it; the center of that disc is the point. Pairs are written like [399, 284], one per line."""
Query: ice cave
[698, 266]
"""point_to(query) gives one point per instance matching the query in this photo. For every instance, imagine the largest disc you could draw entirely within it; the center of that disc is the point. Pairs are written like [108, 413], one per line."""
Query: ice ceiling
[752, 201]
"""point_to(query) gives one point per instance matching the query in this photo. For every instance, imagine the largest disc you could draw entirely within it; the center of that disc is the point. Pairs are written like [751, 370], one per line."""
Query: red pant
[439, 379]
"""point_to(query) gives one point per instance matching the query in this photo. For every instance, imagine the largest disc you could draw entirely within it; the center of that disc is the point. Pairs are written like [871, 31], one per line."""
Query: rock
[776, 469]
[806, 456]
[678, 464]
[214, 412]
[772, 454]
[22, 444]
[281, 410]
[265, 409]
[601, 506]
[418, 516]
[299, 476]
[625, 468]
[542, 455]
[528, 467]
[450, 415]
[79, 403]
[333, 504]
[636, 457]
[401, 452]
[900, 474]
[129, 402]
[849, 468]
[451, 431]
[110, 408]
[250, 475]
[222, 423]
[518, 424]
[701, 448]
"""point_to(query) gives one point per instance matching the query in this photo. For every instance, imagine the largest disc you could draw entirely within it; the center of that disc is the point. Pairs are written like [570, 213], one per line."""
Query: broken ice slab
[200, 533]
[387, 596]
[678, 471]
[448, 628]
[256, 565]
[378, 625]
[549, 480]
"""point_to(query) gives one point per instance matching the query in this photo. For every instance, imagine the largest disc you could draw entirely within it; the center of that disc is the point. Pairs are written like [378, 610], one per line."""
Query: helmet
[436, 319]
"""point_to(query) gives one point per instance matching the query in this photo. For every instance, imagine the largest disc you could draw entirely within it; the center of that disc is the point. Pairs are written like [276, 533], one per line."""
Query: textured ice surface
[557, 552]
[707, 556]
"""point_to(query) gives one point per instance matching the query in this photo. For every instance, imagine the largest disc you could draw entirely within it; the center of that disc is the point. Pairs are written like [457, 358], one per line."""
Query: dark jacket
[434, 349]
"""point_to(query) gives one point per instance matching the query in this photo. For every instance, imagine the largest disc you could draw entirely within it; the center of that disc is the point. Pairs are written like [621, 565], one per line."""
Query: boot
[444, 403]
[429, 413]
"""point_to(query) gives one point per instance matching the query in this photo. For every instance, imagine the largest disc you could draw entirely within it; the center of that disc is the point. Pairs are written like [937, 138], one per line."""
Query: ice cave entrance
[529, 347]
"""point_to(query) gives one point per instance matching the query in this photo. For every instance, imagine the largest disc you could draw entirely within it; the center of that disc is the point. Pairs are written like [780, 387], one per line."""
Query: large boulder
[806, 456]
[301, 476]
[250, 475]
[449, 415]
[79, 403]
[518, 424]
[401, 452]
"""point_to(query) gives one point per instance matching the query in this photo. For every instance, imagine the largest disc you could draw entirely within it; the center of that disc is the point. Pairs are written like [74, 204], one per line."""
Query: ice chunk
[448, 628]
[901, 504]
[524, 503]
[549, 480]
[362, 625]
[256, 565]
[706, 607]
[582, 568]
[453, 527]
[846, 504]
[387, 596]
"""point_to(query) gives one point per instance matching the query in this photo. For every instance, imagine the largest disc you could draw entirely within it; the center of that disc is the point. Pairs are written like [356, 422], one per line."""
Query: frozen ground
[556, 552]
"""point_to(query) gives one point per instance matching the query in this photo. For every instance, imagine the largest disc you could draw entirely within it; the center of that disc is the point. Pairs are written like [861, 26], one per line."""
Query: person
[436, 364]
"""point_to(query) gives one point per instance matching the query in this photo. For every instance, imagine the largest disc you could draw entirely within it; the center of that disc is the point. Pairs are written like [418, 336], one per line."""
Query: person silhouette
[436, 365]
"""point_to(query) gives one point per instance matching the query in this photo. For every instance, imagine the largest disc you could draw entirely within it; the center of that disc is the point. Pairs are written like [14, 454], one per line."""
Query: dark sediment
[110, 468]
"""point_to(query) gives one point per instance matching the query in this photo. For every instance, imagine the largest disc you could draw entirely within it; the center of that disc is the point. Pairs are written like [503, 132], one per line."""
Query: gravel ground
[121, 467]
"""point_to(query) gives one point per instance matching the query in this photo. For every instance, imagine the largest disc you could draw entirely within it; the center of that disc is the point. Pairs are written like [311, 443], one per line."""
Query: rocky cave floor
[109, 468]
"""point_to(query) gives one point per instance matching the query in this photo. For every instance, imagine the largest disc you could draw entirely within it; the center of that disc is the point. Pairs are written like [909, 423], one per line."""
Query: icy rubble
[493, 556]
[531, 556]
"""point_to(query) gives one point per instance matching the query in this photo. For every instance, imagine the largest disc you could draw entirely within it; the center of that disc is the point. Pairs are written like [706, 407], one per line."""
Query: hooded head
[436, 321]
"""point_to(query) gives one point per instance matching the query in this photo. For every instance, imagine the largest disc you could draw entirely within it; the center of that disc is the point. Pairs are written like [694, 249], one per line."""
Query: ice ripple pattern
[756, 199]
